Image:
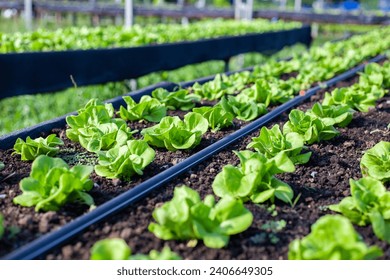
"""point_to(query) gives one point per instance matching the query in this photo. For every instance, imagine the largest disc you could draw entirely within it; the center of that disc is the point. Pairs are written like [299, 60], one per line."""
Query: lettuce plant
[125, 161]
[187, 217]
[376, 162]
[354, 97]
[148, 108]
[117, 249]
[339, 115]
[215, 89]
[93, 113]
[332, 237]
[179, 99]
[32, 148]
[175, 134]
[272, 141]
[372, 76]
[52, 184]
[242, 108]
[369, 203]
[105, 136]
[217, 117]
[312, 129]
[254, 178]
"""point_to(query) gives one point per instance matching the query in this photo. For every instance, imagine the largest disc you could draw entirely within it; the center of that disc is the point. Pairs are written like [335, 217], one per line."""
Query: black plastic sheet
[40, 72]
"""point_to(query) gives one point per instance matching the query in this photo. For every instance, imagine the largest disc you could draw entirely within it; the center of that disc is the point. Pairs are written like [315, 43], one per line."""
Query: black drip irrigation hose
[49, 241]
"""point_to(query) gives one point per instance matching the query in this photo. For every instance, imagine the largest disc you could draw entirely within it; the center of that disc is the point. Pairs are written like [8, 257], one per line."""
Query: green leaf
[216, 116]
[32, 148]
[148, 108]
[376, 162]
[110, 249]
[332, 238]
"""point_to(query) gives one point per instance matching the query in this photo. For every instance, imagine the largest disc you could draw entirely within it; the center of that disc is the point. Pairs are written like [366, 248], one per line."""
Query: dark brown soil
[321, 182]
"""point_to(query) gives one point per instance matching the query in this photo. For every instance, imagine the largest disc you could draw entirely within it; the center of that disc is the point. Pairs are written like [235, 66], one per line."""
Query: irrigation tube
[49, 241]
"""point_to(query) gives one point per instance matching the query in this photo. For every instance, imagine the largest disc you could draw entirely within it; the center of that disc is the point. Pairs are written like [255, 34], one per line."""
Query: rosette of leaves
[117, 249]
[242, 107]
[187, 217]
[376, 162]
[32, 148]
[175, 134]
[214, 89]
[217, 117]
[354, 97]
[339, 115]
[125, 161]
[372, 76]
[52, 184]
[254, 178]
[332, 237]
[93, 113]
[105, 136]
[312, 129]
[148, 108]
[179, 99]
[272, 141]
[369, 203]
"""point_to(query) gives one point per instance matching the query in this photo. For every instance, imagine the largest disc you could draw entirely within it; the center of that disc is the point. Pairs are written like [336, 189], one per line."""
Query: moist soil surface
[320, 182]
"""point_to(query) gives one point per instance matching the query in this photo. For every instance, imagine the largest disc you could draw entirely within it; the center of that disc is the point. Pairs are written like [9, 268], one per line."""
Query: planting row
[267, 214]
[117, 36]
[245, 96]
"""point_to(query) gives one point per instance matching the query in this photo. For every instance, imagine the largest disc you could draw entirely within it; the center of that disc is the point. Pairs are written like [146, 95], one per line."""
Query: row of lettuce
[118, 36]
[187, 217]
[244, 95]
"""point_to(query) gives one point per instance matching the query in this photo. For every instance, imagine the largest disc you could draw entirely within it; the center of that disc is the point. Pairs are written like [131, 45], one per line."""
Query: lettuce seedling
[215, 89]
[117, 249]
[186, 217]
[376, 162]
[310, 128]
[242, 108]
[179, 99]
[148, 108]
[52, 184]
[175, 134]
[369, 203]
[372, 76]
[217, 117]
[354, 97]
[332, 237]
[254, 178]
[338, 115]
[92, 114]
[272, 141]
[32, 148]
[105, 136]
[125, 161]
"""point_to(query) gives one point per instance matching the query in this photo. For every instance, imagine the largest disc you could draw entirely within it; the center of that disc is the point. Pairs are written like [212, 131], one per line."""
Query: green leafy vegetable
[215, 89]
[105, 136]
[376, 162]
[272, 141]
[93, 113]
[332, 238]
[179, 99]
[148, 108]
[242, 107]
[340, 115]
[52, 184]
[175, 134]
[369, 203]
[32, 148]
[354, 97]
[125, 161]
[117, 249]
[186, 217]
[217, 117]
[253, 179]
[310, 128]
